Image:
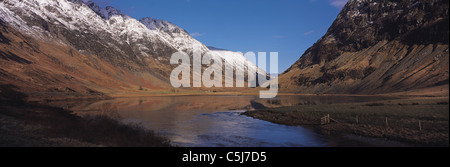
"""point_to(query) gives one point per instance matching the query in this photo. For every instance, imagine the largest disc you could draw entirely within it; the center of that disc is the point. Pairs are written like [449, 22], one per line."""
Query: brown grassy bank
[32, 125]
[369, 119]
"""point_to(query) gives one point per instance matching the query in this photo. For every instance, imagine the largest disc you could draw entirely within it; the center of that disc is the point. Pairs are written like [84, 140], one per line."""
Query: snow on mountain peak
[110, 11]
[86, 16]
[105, 13]
[176, 36]
[162, 25]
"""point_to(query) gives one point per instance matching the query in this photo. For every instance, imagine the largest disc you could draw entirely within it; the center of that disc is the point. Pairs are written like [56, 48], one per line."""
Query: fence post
[420, 125]
[328, 119]
[387, 124]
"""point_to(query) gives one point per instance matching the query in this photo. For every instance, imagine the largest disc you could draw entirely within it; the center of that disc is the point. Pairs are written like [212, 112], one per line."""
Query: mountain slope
[76, 47]
[377, 46]
[70, 40]
[55, 70]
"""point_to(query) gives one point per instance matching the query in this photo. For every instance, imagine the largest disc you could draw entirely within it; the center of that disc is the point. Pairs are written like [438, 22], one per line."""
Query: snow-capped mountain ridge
[162, 25]
[135, 45]
[172, 34]
[176, 36]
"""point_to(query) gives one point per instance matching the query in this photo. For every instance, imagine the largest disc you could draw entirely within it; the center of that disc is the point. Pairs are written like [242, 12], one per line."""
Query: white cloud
[197, 34]
[338, 3]
[309, 32]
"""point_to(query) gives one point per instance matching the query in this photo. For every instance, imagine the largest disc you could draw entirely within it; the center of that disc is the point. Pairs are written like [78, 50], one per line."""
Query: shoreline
[403, 116]
[35, 125]
[38, 98]
[30, 124]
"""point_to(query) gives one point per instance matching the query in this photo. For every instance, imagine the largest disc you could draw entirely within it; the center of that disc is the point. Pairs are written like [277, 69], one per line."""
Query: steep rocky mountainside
[75, 47]
[377, 46]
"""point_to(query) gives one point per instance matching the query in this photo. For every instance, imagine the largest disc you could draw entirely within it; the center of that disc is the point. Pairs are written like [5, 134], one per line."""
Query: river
[213, 121]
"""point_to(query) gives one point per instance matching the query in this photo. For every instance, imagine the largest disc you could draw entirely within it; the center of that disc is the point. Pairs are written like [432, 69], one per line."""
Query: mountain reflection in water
[212, 121]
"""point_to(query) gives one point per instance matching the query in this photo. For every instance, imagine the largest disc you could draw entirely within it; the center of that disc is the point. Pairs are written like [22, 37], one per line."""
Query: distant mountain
[377, 46]
[214, 48]
[76, 47]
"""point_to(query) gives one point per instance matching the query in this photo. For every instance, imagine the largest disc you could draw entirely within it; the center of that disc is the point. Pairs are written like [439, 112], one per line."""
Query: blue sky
[285, 26]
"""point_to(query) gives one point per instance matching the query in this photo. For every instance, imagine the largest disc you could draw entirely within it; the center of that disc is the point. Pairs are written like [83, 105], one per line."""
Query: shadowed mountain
[377, 46]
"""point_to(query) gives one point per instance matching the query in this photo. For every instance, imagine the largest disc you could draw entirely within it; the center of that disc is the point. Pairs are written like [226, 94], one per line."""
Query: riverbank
[42, 126]
[418, 121]
[25, 124]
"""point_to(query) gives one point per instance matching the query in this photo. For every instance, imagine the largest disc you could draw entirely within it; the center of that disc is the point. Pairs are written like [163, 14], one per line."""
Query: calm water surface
[213, 121]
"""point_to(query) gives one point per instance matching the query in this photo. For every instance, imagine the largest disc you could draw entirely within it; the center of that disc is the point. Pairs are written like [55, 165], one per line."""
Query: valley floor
[416, 118]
